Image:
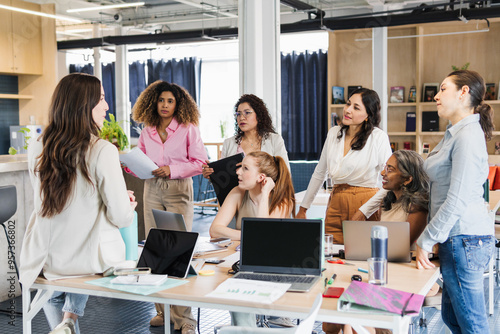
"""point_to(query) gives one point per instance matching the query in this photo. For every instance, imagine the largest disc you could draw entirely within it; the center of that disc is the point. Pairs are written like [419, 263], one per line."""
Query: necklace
[251, 144]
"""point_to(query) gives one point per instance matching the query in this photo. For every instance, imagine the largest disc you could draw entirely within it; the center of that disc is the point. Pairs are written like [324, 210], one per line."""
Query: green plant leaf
[12, 151]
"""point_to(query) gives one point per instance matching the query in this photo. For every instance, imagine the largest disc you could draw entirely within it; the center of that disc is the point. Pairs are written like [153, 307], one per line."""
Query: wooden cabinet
[20, 39]
[414, 60]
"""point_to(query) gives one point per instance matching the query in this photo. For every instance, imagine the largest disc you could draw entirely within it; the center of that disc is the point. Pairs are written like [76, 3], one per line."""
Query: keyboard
[276, 278]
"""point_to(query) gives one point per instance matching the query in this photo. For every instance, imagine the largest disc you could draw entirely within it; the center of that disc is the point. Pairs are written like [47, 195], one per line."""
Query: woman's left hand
[162, 172]
[423, 259]
[267, 185]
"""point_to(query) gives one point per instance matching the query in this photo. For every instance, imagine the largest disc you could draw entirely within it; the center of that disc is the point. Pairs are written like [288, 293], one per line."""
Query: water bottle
[379, 241]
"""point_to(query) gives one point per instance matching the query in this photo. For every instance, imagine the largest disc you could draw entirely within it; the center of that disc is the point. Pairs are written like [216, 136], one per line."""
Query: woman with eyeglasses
[254, 132]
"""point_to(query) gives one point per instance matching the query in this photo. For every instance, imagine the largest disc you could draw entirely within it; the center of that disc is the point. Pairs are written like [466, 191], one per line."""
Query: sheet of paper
[249, 290]
[139, 163]
[150, 279]
[229, 260]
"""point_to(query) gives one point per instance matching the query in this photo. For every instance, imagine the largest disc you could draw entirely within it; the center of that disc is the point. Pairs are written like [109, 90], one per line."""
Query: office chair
[305, 327]
[8, 207]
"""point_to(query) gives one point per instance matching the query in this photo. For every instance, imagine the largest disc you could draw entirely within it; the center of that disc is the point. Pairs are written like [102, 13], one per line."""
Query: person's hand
[302, 213]
[131, 196]
[162, 171]
[123, 165]
[267, 185]
[423, 259]
[206, 171]
[358, 216]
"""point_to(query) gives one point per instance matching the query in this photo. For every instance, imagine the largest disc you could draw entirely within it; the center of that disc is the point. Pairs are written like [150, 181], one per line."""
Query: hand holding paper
[139, 163]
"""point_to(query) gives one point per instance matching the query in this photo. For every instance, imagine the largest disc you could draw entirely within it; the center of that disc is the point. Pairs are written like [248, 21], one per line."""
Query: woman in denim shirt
[458, 219]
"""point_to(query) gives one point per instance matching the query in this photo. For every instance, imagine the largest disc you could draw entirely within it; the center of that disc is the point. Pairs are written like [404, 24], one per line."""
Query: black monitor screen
[168, 252]
[271, 245]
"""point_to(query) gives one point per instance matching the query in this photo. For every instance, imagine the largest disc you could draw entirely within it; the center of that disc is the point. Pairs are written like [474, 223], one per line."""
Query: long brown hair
[66, 140]
[146, 107]
[477, 89]
[283, 194]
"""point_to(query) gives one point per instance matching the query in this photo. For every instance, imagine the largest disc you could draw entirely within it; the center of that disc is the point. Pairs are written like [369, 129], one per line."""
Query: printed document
[139, 163]
[250, 290]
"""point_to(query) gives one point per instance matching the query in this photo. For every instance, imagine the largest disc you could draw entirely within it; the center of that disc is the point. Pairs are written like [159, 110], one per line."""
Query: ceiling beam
[209, 8]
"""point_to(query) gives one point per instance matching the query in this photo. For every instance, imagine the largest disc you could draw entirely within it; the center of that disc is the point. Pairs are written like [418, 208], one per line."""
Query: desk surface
[402, 276]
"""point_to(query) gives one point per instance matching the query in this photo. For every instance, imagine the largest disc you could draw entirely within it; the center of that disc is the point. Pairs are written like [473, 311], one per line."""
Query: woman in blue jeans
[458, 218]
[80, 198]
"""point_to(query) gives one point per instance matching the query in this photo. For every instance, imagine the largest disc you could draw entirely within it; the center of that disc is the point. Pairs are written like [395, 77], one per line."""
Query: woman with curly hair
[254, 132]
[172, 140]
[353, 156]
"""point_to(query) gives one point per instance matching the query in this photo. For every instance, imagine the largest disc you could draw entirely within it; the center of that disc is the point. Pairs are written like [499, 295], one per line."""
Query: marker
[363, 270]
[229, 244]
[334, 276]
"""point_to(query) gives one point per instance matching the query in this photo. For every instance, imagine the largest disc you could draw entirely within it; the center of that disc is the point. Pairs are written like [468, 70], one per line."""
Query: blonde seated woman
[265, 190]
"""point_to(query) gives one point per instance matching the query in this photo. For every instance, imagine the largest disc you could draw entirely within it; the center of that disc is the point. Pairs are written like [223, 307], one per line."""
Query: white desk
[318, 206]
[295, 305]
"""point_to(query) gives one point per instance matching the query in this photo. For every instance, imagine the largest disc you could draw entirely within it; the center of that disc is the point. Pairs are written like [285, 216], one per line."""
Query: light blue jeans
[464, 259]
[61, 302]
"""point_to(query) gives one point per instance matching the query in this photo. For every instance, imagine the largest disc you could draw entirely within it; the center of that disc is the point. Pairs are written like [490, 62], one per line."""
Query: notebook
[357, 240]
[175, 222]
[281, 250]
[169, 252]
[224, 178]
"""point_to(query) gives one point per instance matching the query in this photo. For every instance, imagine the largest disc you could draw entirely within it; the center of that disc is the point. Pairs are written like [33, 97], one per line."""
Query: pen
[334, 276]
[137, 279]
[229, 244]
[363, 270]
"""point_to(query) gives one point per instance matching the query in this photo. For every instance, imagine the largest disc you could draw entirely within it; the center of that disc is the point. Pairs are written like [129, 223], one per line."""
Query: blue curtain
[137, 83]
[304, 104]
[108, 82]
[185, 72]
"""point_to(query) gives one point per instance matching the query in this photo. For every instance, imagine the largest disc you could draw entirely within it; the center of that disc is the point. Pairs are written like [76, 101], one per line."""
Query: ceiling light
[26, 11]
[124, 5]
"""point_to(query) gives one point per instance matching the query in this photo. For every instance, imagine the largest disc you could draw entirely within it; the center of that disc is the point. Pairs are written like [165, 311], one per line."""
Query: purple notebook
[360, 296]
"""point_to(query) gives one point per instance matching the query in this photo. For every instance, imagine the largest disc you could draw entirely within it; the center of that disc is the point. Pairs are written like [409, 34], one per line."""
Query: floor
[104, 315]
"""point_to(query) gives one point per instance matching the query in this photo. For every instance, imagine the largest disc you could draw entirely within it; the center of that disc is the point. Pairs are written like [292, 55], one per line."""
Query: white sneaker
[281, 321]
[68, 326]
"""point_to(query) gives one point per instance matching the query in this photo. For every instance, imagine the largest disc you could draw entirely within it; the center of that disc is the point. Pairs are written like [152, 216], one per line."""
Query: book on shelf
[397, 94]
[394, 146]
[408, 145]
[334, 119]
[412, 95]
[425, 148]
[338, 95]
[430, 90]
[351, 89]
[411, 121]
[491, 93]
[430, 121]
[497, 147]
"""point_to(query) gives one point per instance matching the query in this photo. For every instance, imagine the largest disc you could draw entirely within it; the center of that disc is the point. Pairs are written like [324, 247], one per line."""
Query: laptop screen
[287, 246]
[168, 252]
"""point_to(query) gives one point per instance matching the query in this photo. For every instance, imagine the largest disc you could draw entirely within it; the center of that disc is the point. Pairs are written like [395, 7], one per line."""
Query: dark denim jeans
[464, 259]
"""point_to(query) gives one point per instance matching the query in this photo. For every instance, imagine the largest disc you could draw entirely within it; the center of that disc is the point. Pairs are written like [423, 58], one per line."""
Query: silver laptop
[175, 222]
[281, 250]
[357, 240]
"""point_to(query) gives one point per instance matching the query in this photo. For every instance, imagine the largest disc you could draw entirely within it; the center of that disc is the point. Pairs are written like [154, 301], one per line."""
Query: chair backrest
[306, 326]
[8, 202]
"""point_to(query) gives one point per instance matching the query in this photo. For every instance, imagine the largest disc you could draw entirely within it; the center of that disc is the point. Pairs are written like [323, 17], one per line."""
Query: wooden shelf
[432, 133]
[16, 96]
[402, 133]
[403, 104]
[337, 106]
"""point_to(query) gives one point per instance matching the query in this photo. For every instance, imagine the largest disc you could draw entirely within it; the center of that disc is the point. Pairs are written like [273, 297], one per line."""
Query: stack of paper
[250, 290]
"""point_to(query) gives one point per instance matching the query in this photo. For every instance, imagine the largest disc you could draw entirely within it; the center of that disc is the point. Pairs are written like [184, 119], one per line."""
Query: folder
[364, 297]
[224, 177]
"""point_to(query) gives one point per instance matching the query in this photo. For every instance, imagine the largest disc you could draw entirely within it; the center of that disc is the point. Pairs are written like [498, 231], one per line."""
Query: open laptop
[281, 250]
[169, 252]
[175, 222]
[357, 240]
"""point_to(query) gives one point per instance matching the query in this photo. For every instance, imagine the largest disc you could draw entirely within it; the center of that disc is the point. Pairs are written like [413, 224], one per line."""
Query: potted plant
[113, 132]
[25, 132]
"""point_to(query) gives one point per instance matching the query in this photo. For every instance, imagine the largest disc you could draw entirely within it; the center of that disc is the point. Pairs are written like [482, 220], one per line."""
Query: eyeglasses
[245, 113]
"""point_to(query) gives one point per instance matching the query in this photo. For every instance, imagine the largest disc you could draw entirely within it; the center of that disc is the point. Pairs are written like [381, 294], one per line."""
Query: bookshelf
[413, 61]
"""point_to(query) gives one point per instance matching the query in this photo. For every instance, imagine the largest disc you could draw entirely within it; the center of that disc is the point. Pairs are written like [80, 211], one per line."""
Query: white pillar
[260, 62]
[379, 65]
[97, 53]
[122, 89]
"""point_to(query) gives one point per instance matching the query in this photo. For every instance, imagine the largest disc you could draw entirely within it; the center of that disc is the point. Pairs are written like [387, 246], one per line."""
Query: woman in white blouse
[353, 156]
[254, 132]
